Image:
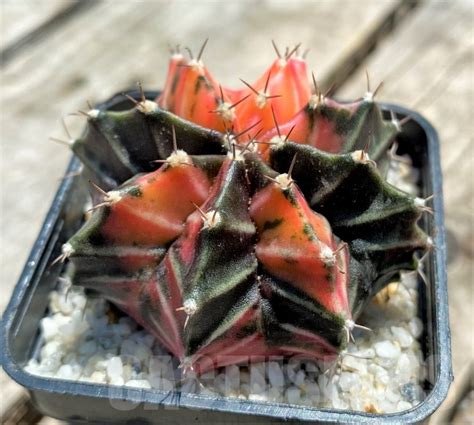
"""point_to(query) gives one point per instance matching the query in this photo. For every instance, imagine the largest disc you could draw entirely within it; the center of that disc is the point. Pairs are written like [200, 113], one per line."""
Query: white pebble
[404, 369]
[352, 363]
[402, 336]
[299, 378]
[117, 380]
[293, 395]
[347, 381]
[162, 384]
[275, 374]
[51, 348]
[68, 372]
[88, 348]
[386, 349]
[275, 394]
[403, 405]
[257, 377]
[138, 383]
[232, 378]
[114, 368]
[98, 376]
[312, 390]
[49, 328]
[416, 327]
[258, 397]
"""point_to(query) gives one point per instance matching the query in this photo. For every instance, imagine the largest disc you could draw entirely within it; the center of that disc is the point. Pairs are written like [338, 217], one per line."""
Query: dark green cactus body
[377, 220]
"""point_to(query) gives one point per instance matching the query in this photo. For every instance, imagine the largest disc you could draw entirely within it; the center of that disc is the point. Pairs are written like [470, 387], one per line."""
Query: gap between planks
[51, 25]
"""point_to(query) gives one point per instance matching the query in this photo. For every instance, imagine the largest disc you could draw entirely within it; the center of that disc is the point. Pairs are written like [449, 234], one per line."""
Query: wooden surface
[425, 61]
[19, 18]
[428, 65]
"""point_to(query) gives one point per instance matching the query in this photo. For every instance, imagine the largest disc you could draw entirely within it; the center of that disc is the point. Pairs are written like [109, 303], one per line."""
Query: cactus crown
[235, 222]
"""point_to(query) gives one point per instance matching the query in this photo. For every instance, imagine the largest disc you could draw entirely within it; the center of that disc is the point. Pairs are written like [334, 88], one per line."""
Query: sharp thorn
[393, 116]
[317, 92]
[275, 121]
[201, 50]
[292, 165]
[249, 86]
[99, 189]
[270, 178]
[276, 49]
[189, 52]
[247, 129]
[239, 101]
[292, 51]
[201, 212]
[377, 89]
[330, 90]
[62, 142]
[289, 133]
[423, 276]
[367, 80]
[365, 328]
[370, 139]
[264, 143]
[96, 207]
[142, 93]
[175, 143]
[267, 82]
[60, 258]
[131, 99]
[222, 93]
[405, 120]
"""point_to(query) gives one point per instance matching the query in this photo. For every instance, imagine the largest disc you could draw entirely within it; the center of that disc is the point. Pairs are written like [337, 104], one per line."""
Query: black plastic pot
[84, 402]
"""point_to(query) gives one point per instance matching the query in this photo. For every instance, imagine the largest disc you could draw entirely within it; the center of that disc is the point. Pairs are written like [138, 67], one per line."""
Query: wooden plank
[19, 18]
[21, 412]
[428, 65]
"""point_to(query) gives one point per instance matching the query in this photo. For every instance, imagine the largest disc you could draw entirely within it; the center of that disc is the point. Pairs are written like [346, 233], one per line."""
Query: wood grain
[19, 18]
[428, 65]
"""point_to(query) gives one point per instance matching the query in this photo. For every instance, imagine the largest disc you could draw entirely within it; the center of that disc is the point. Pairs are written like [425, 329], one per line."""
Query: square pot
[99, 403]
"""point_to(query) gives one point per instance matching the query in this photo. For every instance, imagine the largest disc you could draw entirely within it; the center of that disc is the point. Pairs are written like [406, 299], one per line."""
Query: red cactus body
[151, 209]
[191, 93]
[297, 245]
[284, 87]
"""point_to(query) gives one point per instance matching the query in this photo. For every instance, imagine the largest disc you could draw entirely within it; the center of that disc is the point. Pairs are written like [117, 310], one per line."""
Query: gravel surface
[380, 372]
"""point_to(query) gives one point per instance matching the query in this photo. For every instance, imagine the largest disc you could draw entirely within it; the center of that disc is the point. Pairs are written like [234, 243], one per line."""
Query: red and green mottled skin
[293, 240]
[218, 252]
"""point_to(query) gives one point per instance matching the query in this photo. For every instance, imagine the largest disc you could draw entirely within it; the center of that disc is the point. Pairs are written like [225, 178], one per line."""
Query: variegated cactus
[238, 223]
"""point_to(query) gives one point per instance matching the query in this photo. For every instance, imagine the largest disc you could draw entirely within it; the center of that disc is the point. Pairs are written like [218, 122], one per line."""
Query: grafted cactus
[240, 223]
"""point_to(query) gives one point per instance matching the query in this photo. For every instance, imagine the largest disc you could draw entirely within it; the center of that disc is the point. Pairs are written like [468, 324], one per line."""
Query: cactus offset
[264, 230]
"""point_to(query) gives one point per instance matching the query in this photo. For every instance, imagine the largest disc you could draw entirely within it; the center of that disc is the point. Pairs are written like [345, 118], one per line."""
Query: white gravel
[380, 372]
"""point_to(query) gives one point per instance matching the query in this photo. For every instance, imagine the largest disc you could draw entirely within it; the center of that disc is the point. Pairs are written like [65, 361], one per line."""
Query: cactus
[223, 246]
